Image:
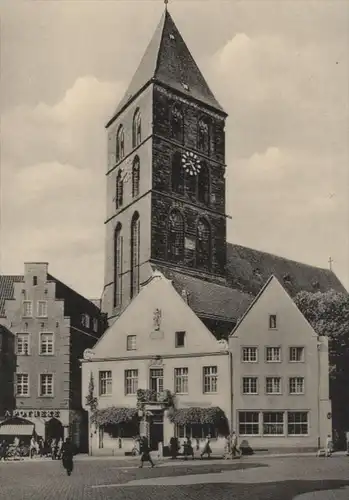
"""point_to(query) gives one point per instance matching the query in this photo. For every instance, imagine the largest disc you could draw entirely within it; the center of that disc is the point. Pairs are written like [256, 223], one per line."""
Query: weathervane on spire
[166, 2]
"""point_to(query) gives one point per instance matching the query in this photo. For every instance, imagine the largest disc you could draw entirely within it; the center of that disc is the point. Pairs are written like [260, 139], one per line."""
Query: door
[156, 430]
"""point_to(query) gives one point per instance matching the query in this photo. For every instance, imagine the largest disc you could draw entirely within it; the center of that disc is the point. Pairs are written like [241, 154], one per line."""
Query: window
[27, 309]
[210, 379]
[23, 346]
[88, 321]
[273, 385]
[204, 184]
[273, 423]
[131, 342]
[42, 309]
[204, 136]
[22, 384]
[131, 381]
[181, 380]
[203, 245]
[177, 174]
[297, 423]
[157, 379]
[135, 230]
[248, 423]
[296, 354]
[272, 321]
[35, 280]
[46, 384]
[249, 385]
[95, 325]
[120, 144]
[175, 239]
[137, 129]
[296, 385]
[249, 354]
[176, 123]
[119, 196]
[105, 383]
[180, 339]
[118, 244]
[46, 343]
[273, 354]
[196, 431]
[135, 177]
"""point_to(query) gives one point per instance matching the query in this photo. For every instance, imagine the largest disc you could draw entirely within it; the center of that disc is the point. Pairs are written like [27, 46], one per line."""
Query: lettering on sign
[34, 413]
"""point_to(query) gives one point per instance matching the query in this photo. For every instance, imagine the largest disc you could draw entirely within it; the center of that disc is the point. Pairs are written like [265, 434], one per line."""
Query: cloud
[54, 160]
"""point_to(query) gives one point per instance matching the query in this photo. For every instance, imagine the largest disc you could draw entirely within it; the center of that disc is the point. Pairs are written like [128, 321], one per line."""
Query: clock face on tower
[191, 163]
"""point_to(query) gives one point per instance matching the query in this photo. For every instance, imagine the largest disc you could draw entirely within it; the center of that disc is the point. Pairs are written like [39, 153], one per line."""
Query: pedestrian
[207, 448]
[53, 449]
[188, 449]
[234, 445]
[67, 456]
[174, 447]
[145, 452]
[329, 446]
[227, 447]
[32, 447]
[59, 449]
[2, 450]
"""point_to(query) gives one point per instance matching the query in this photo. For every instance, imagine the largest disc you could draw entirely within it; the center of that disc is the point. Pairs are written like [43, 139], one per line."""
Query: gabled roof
[167, 60]
[6, 289]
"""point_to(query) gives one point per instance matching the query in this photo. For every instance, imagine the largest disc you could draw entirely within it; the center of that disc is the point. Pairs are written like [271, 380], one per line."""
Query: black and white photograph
[174, 249]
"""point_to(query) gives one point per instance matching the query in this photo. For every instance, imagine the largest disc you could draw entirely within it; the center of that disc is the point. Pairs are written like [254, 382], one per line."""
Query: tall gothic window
[175, 238]
[191, 184]
[204, 135]
[204, 184]
[135, 177]
[120, 144]
[117, 266]
[203, 245]
[177, 174]
[176, 123]
[119, 197]
[135, 242]
[137, 129]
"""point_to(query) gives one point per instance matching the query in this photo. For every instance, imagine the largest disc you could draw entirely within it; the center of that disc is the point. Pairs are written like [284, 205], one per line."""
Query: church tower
[166, 174]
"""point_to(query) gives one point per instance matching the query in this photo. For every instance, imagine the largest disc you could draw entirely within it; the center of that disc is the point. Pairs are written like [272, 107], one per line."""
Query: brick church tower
[166, 175]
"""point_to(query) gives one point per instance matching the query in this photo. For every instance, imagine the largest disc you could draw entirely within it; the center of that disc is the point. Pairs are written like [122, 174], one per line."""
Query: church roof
[248, 270]
[167, 60]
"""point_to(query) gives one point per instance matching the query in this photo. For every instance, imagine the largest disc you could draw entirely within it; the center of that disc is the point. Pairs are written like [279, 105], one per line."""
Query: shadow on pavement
[278, 490]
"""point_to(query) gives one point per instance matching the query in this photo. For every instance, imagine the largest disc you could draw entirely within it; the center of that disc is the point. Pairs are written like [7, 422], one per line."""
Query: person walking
[145, 452]
[329, 446]
[227, 447]
[188, 449]
[67, 456]
[59, 449]
[234, 445]
[207, 448]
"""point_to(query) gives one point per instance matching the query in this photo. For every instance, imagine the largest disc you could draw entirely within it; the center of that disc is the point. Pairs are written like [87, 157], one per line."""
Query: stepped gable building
[166, 195]
[51, 325]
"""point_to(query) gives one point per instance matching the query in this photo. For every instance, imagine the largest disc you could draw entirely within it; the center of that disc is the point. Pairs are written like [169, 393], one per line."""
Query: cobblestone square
[252, 478]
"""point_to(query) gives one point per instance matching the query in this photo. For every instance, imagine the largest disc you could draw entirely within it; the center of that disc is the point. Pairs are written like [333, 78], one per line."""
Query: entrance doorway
[156, 430]
[54, 430]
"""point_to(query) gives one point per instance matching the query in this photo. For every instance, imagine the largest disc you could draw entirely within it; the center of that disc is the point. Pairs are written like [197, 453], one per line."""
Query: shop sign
[33, 413]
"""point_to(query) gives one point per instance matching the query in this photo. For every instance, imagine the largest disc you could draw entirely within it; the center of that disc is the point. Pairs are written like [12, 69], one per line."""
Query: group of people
[230, 450]
[51, 447]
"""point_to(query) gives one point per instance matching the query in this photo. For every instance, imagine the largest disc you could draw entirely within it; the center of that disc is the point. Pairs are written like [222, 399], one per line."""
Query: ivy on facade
[91, 400]
[214, 416]
[114, 415]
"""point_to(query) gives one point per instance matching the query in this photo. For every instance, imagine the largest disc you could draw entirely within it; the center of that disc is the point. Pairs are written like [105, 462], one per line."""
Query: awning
[16, 430]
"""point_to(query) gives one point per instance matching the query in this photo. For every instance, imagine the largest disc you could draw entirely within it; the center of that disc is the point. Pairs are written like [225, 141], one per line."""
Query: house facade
[52, 325]
[280, 376]
[157, 371]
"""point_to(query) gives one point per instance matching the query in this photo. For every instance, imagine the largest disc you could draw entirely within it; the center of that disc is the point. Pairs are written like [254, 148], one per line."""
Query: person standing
[145, 452]
[174, 447]
[32, 447]
[227, 447]
[59, 449]
[329, 446]
[234, 445]
[67, 456]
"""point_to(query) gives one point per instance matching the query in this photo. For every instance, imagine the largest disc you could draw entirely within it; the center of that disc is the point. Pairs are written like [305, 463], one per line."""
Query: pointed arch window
[177, 123]
[135, 243]
[177, 174]
[204, 184]
[120, 144]
[137, 129]
[191, 185]
[118, 241]
[135, 176]
[203, 245]
[204, 135]
[175, 238]
[119, 197]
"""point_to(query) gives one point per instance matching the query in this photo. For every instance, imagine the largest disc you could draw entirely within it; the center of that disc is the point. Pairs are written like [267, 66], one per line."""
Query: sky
[280, 69]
